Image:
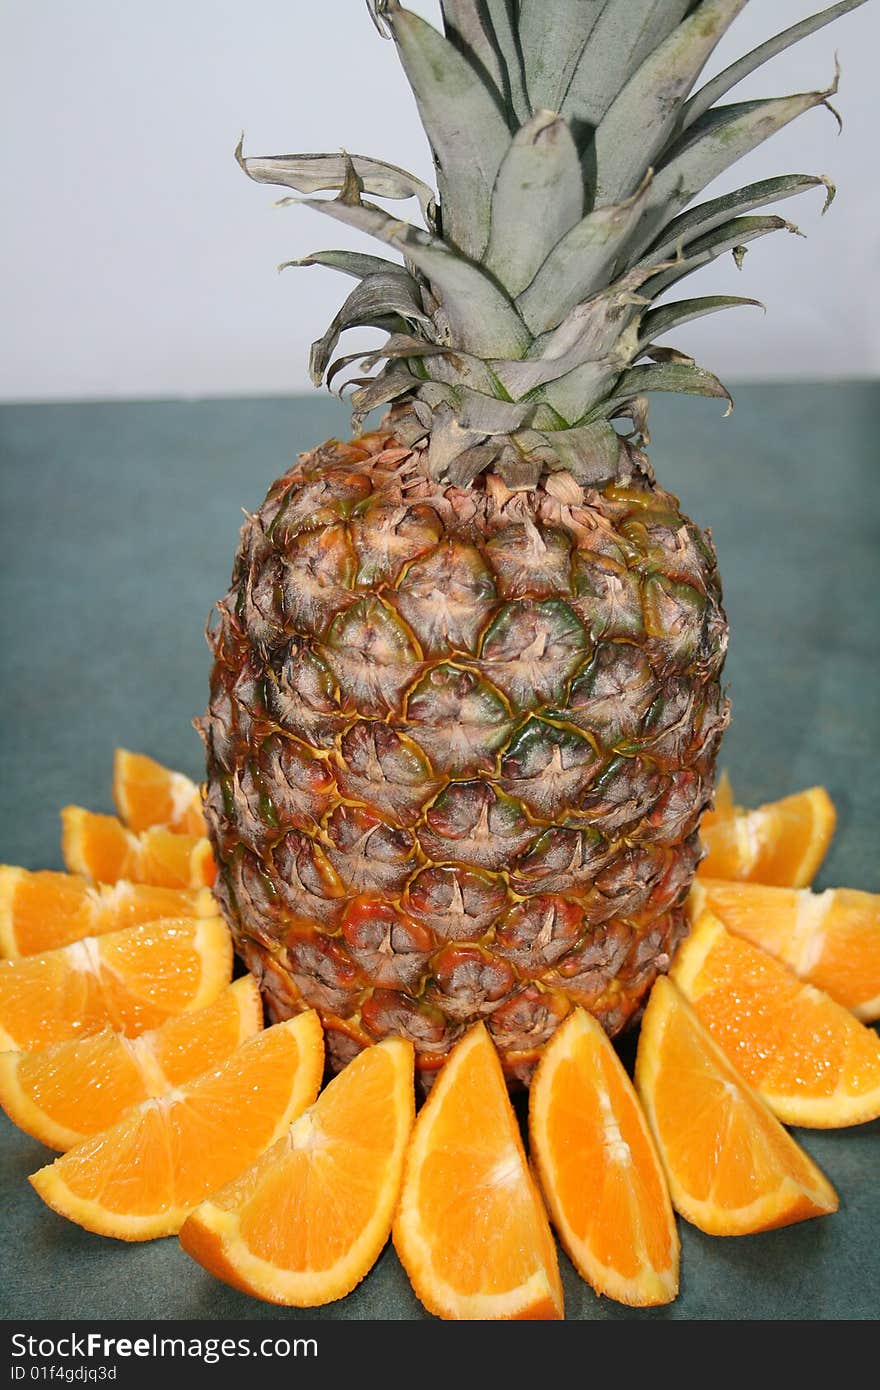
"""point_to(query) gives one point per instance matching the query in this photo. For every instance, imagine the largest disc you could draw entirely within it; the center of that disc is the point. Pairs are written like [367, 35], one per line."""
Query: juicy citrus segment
[104, 851]
[305, 1224]
[722, 807]
[73, 1089]
[599, 1170]
[470, 1229]
[146, 794]
[830, 939]
[40, 910]
[142, 1177]
[128, 980]
[732, 1168]
[781, 843]
[812, 1060]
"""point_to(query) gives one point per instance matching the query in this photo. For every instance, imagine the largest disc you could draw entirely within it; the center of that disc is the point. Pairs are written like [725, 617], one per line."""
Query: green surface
[119, 524]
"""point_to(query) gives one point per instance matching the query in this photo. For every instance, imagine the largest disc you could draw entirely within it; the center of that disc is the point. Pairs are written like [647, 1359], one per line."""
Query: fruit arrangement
[131, 1050]
[461, 743]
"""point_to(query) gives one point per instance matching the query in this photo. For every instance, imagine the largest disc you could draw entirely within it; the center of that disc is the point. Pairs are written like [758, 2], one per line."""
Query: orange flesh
[308, 1220]
[329, 1199]
[42, 910]
[141, 1177]
[599, 1168]
[147, 794]
[782, 843]
[732, 1167]
[830, 939]
[812, 1060]
[76, 1088]
[471, 1230]
[104, 851]
[129, 980]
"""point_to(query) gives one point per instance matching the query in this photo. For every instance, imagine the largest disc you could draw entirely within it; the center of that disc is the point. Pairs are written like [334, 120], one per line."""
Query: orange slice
[128, 980]
[732, 1168]
[101, 849]
[830, 939]
[77, 1088]
[471, 1230]
[722, 807]
[41, 910]
[142, 1177]
[306, 1223]
[813, 1062]
[781, 843]
[147, 794]
[599, 1170]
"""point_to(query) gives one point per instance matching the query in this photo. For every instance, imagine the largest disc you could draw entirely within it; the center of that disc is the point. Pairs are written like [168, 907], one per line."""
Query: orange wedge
[101, 849]
[781, 843]
[77, 1088]
[305, 1224]
[599, 1170]
[41, 910]
[471, 1230]
[128, 980]
[830, 939]
[812, 1060]
[722, 803]
[146, 794]
[732, 1168]
[142, 1177]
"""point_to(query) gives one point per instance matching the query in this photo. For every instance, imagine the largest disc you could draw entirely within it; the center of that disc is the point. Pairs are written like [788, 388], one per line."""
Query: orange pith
[732, 1168]
[129, 980]
[42, 910]
[146, 793]
[73, 1089]
[104, 851]
[812, 1060]
[599, 1170]
[830, 939]
[305, 1224]
[142, 1177]
[470, 1229]
[782, 842]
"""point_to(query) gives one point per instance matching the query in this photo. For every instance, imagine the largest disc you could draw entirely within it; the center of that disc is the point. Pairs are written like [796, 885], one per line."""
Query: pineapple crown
[569, 144]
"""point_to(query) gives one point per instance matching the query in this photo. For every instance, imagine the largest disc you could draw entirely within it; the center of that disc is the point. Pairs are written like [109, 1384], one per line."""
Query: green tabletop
[119, 524]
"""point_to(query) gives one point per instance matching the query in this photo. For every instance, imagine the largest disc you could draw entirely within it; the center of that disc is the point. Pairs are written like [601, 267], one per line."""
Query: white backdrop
[137, 260]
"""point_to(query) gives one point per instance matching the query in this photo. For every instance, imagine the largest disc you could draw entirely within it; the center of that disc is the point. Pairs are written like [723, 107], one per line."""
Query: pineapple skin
[459, 742]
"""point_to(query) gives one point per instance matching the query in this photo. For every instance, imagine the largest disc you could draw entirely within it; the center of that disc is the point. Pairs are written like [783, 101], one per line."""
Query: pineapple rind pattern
[421, 821]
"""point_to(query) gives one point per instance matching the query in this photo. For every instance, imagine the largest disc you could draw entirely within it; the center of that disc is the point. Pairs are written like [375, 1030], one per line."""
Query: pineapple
[465, 702]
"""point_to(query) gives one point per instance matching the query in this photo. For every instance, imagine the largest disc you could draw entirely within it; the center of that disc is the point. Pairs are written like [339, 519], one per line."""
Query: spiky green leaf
[376, 301]
[718, 139]
[551, 45]
[637, 124]
[703, 218]
[580, 262]
[538, 197]
[664, 376]
[326, 173]
[478, 313]
[719, 86]
[468, 27]
[356, 263]
[624, 34]
[468, 133]
[500, 14]
[659, 321]
[727, 237]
